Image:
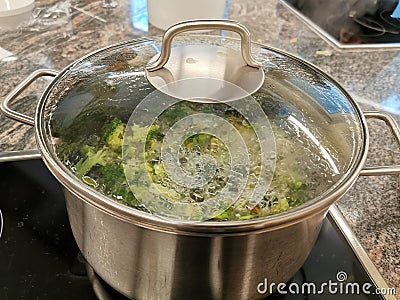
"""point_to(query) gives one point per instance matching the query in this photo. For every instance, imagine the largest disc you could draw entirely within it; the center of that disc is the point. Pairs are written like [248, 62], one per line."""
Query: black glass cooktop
[354, 21]
[40, 260]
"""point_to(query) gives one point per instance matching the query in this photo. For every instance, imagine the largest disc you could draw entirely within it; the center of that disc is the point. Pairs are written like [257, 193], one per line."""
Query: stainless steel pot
[147, 257]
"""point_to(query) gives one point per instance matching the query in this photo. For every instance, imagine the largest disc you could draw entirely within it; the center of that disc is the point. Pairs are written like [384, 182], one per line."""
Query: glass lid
[198, 158]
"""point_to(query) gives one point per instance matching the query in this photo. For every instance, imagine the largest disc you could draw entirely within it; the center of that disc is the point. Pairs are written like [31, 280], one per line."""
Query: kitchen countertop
[371, 206]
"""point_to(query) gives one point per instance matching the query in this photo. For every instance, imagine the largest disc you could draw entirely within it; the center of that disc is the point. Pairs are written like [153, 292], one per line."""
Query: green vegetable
[114, 134]
[113, 178]
[93, 157]
[154, 133]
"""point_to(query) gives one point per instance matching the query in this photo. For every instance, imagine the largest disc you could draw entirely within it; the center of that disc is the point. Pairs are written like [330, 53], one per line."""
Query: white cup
[15, 12]
[165, 13]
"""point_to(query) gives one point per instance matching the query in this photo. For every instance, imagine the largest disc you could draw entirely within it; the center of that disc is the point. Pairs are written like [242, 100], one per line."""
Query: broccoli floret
[92, 158]
[113, 174]
[154, 132]
[114, 134]
[116, 184]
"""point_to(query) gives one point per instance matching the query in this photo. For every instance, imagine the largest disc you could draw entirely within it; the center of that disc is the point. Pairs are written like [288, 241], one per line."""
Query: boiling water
[306, 163]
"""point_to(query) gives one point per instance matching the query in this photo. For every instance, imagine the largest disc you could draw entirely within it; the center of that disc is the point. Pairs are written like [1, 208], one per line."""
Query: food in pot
[88, 139]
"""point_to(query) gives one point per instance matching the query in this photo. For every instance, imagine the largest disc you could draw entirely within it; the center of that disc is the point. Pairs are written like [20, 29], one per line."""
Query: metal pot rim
[144, 219]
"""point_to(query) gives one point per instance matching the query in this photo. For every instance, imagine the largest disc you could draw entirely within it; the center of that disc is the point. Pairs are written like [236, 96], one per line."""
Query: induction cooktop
[39, 258]
[352, 24]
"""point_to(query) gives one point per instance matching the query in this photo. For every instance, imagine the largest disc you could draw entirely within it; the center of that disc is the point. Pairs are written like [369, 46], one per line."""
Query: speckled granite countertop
[371, 207]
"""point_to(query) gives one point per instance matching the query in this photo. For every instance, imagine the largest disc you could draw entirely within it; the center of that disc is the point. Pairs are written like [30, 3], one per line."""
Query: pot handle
[394, 128]
[204, 25]
[12, 114]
